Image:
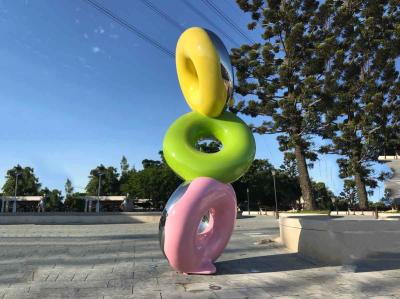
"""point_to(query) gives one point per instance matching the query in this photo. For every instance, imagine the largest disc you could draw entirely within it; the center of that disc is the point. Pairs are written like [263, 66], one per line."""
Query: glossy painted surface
[204, 71]
[227, 165]
[226, 65]
[199, 217]
[187, 248]
[178, 193]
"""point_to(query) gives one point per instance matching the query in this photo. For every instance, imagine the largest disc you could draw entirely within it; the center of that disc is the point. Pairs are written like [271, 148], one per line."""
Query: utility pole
[248, 200]
[98, 194]
[276, 200]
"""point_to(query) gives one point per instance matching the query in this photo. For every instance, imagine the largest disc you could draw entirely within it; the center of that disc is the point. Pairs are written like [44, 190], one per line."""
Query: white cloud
[99, 30]
[85, 36]
[96, 49]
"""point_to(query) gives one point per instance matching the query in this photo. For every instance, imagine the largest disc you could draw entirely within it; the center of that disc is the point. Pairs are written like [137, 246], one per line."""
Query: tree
[323, 196]
[258, 180]
[124, 174]
[109, 184]
[210, 146]
[367, 86]
[124, 165]
[349, 194]
[282, 78]
[28, 183]
[69, 189]
[155, 181]
[289, 166]
[52, 199]
[75, 202]
[387, 200]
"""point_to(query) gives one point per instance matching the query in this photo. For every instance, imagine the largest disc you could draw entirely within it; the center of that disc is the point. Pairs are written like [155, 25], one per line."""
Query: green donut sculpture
[227, 165]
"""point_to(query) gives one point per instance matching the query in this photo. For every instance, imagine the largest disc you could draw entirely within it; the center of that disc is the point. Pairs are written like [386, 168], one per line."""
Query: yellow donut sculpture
[199, 72]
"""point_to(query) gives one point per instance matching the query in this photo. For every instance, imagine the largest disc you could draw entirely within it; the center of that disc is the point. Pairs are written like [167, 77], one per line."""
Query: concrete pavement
[124, 261]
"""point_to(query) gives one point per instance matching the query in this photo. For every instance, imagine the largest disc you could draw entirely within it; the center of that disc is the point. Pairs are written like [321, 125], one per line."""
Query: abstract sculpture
[199, 217]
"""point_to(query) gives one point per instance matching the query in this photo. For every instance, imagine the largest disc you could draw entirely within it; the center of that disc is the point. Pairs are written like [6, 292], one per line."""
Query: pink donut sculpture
[197, 224]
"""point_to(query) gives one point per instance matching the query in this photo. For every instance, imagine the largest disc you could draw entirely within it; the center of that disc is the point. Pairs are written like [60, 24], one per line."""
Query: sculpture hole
[204, 223]
[192, 73]
[208, 145]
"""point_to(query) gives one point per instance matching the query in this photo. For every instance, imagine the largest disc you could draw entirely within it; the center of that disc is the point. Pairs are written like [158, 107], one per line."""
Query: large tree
[109, 183]
[281, 78]
[363, 117]
[28, 183]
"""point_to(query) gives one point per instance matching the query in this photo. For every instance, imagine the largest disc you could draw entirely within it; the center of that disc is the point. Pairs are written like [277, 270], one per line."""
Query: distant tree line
[156, 181]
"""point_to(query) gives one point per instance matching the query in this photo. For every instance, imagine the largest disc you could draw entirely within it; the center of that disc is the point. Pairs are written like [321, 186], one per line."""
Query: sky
[78, 90]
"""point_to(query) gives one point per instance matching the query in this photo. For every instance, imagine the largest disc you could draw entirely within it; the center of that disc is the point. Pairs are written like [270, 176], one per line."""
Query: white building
[393, 184]
[95, 201]
[8, 202]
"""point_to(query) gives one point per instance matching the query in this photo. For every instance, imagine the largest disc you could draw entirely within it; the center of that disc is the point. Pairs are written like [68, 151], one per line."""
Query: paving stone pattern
[124, 261]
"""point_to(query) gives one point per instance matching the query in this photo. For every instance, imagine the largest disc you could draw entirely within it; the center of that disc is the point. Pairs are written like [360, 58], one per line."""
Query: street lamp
[273, 172]
[14, 210]
[98, 194]
[248, 201]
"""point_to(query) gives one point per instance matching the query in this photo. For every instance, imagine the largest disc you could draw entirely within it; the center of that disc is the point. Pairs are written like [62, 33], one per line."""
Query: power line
[130, 27]
[227, 19]
[163, 14]
[204, 17]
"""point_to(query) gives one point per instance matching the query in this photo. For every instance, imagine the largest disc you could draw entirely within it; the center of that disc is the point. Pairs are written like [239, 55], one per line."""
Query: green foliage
[364, 118]
[289, 166]
[124, 165]
[209, 146]
[259, 181]
[28, 183]
[324, 198]
[282, 78]
[387, 200]
[155, 181]
[52, 199]
[69, 189]
[74, 202]
[109, 182]
[349, 194]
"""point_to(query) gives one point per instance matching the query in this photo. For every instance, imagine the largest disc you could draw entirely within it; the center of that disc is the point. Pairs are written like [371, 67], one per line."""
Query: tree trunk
[304, 179]
[361, 191]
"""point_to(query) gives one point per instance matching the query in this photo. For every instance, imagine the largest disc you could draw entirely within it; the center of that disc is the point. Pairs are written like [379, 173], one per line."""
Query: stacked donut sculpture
[200, 215]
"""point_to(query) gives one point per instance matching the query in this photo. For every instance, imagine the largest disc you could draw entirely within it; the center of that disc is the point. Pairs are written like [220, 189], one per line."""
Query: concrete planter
[337, 240]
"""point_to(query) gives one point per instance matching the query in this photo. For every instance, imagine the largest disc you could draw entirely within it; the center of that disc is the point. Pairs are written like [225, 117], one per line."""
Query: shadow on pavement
[378, 262]
[262, 264]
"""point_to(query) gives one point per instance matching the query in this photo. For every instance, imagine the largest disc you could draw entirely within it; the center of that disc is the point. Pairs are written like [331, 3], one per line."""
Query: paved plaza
[124, 261]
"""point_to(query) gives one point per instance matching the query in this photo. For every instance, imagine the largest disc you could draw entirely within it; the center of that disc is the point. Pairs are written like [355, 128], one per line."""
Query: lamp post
[248, 201]
[14, 210]
[273, 172]
[98, 194]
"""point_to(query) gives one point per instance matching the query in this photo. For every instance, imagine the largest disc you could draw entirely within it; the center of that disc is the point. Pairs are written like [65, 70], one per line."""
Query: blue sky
[77, 89]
